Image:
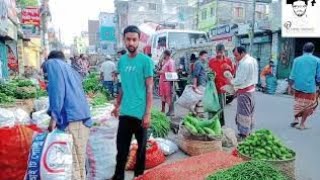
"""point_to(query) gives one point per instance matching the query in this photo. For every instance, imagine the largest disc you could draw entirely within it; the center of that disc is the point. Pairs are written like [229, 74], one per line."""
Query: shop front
[32, 53]
[261, 48]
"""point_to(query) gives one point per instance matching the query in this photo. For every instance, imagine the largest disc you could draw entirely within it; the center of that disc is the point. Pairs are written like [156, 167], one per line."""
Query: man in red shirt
[221, 65]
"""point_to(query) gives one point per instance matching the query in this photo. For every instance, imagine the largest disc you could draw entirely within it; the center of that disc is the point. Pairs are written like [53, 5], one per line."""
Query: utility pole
[217, 14]
[252, 27]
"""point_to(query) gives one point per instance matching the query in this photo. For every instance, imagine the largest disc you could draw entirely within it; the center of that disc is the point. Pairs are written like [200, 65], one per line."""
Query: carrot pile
[196, 167]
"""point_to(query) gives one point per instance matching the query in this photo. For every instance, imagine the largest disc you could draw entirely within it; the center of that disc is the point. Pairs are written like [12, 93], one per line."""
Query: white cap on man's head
[108, 57]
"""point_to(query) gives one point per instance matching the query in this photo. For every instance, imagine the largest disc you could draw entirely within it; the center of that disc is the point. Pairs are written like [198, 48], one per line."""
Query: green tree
[26, 3]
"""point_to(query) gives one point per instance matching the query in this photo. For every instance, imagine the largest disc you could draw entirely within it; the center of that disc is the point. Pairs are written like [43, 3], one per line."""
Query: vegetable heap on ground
[252, 170]
[203, 127]
[92, 85]
[17, 89]
[160, 124]
[41, 93]
[263, 145]
[99, 100]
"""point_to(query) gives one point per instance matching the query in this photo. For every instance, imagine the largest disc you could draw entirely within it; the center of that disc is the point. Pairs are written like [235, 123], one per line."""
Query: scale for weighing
[171, 76]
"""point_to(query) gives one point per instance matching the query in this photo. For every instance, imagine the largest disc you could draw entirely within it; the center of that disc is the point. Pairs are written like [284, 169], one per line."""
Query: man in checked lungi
[305, 75]
[244, 86]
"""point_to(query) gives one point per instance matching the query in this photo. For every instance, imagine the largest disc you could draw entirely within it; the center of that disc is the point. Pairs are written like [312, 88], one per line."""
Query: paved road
[274, 112]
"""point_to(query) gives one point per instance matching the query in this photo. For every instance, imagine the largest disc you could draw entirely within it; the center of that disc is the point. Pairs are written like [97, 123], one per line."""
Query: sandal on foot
[294, 124]
[302, 128]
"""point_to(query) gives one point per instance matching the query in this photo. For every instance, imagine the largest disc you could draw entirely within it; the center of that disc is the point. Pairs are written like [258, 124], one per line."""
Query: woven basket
[7, 106]
[196, 147]
[287, 167]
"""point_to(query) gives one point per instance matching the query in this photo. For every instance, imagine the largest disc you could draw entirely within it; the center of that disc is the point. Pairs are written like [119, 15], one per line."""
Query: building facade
[137, 12]
[107, 32]
[8, 37]
[93, 36]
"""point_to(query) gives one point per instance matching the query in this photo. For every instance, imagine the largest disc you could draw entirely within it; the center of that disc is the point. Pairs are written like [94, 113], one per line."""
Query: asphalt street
[275, 112]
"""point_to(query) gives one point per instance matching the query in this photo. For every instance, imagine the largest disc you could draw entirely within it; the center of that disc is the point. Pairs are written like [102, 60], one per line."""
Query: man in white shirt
[244, 85]
[108, 69]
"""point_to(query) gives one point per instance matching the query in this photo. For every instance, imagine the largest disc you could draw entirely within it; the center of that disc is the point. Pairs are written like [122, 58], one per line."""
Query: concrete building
[212, 13]
[136, 12]
[107, 29]
[93, 35]
[80, 44]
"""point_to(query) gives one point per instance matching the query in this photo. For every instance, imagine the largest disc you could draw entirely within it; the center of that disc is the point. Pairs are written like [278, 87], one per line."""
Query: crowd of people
[134, 73]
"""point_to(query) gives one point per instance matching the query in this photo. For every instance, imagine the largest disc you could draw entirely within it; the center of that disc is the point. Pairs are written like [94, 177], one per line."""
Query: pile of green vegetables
[160, 124]
[263, 145]
[252, 170]
[17, 89]
[93, 85]
[41, 93]
[7, 94]
[203, 127]
[99, 100]
[6, 100]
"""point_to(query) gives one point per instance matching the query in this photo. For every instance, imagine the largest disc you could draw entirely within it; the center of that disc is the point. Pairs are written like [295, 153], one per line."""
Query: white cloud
[72, 16]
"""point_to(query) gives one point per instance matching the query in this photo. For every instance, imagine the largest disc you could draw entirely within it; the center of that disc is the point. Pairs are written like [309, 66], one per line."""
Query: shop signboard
[259, 39]
[31, 21]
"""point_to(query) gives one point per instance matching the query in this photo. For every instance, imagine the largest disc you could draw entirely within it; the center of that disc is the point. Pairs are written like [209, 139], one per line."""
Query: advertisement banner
[31, 21]
[31, 15]
[30, 30]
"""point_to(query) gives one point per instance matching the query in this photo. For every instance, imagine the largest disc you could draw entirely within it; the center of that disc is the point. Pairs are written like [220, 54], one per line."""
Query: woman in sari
[165, 88]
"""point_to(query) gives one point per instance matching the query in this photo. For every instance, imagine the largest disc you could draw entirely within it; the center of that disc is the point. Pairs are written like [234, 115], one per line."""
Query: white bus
[173, 39]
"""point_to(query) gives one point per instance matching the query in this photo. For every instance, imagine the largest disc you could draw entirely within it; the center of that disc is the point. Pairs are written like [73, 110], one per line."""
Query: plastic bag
[271, 84]
[229, 138]
[282, 86]
[210, 99]
[41, 119]
[21, 117]
[51, 156]
[15, 143]
[154, 156]
[41, 104]
[229, 89]
[189, 97]
[102, 151]
[100, 115]
[167, 146]
[7, 118]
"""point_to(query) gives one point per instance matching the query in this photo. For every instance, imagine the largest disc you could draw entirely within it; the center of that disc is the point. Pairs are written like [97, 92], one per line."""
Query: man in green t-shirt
[133, 103]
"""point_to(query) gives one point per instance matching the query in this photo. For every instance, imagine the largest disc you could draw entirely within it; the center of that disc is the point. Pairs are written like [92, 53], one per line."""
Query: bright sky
[72, 16]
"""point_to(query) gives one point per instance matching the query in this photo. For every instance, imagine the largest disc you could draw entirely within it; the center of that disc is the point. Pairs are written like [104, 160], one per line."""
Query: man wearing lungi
[304, 77]
[244, 86]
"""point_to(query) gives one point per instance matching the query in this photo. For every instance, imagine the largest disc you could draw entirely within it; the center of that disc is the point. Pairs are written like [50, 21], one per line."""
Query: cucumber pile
[263, 145]
[203, 127]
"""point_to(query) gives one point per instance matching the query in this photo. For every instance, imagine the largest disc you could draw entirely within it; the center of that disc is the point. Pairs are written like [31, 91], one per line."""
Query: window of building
[238, 12]
[259, 15]
[212, 12]
[204, 14]
[152, 6]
